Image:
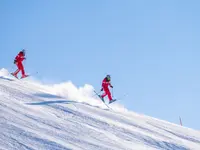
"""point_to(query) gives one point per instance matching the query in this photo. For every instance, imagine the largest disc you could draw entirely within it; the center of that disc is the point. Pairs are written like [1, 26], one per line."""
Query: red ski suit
[105, 84]
[18, 61]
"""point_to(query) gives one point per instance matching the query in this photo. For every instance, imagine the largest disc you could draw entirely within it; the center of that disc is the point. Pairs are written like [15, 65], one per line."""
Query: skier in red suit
[18, 61]
[105, 87]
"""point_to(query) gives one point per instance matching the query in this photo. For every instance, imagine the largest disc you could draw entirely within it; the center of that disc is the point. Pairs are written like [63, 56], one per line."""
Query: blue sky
[150, 48]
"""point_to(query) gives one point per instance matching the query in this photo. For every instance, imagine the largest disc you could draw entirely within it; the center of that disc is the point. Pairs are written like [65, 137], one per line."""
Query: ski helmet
[23, 51]
[108, 77]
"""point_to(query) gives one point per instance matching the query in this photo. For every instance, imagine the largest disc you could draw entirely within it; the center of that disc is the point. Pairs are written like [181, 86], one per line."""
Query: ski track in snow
[41, 117]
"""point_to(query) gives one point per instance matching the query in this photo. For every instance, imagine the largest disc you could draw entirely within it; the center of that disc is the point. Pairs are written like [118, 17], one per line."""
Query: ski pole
[123, 96]
[34, 73]
[96, 93]
[11, 68]
[112, 93]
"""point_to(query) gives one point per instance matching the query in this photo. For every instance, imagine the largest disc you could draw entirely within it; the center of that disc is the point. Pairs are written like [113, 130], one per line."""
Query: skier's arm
[110, 85]
[22, 58]
[19, 58]
[102, 86]
[16, 59]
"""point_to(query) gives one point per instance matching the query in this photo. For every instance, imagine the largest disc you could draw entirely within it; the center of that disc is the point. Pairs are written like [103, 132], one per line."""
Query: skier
[105, 84]
[18, 61]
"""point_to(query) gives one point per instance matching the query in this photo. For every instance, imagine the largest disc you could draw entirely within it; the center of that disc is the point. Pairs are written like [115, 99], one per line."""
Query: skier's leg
[23, 71]
[109, 95]
[17, 71]
[104, 94]
[21, 67]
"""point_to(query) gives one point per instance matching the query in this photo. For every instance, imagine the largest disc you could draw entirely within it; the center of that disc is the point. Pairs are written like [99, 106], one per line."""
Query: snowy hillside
[34, 116]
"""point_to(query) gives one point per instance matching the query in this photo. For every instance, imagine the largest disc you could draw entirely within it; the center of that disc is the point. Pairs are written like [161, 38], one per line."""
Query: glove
[15, 61]
[111, 86]
[101, 89]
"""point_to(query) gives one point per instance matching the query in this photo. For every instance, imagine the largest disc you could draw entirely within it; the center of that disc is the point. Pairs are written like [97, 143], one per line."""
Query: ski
[101, 98]
[25, 77]
[112, 101]
[14, 76]
[19, 78]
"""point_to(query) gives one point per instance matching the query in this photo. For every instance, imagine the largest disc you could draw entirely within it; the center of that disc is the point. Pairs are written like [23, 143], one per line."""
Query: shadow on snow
[51, 102]
[47, 95]
[4, 78]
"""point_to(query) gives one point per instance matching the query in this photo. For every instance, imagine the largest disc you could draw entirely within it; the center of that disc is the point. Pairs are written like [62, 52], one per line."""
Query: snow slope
[34, 116]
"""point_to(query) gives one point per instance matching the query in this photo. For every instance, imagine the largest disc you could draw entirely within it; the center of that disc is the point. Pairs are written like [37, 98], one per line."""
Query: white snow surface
[34, 116]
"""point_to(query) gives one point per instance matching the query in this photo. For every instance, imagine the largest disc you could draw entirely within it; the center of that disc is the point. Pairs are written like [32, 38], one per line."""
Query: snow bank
[70, 91]
[4, 72]
[81, 94]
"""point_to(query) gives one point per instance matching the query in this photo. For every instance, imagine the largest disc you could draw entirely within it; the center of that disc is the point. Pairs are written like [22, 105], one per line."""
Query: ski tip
[25, 77]
[112, 101]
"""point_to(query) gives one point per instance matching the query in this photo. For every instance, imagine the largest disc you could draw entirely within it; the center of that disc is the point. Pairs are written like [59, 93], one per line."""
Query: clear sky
[151, 49]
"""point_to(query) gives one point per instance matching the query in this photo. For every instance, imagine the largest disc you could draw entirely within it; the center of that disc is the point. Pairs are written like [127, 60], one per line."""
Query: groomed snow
[34, 116]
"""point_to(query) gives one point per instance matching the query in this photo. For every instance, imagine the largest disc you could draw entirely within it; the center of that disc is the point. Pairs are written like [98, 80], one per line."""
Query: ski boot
[14, 75]
[101, 98]
[24, 76]
[112, 100]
